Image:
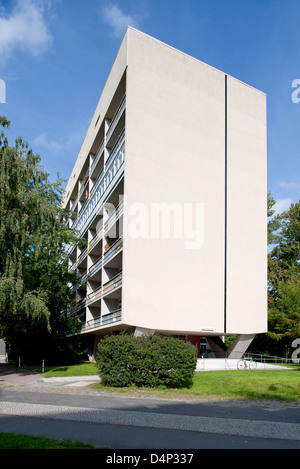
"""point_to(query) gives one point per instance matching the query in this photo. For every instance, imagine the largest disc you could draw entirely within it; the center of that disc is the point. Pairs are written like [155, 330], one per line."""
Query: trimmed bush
[124, 360]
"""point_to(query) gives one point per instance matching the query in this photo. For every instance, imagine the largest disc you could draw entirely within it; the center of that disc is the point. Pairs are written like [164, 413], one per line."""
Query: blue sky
[55, 56]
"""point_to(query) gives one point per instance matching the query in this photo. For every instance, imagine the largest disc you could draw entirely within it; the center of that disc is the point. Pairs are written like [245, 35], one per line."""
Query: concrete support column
[240, 345]
[236, 349]
[217, 346]
[140, 331]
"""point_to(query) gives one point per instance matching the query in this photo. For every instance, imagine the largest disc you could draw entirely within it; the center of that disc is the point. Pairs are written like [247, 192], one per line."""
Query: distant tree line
[283, 282]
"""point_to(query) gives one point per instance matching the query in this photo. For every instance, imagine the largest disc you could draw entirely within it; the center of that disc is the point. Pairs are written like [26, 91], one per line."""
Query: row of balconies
[114, 217]
[114, 249]
[93, 194]
[109, 176]
[88, 179]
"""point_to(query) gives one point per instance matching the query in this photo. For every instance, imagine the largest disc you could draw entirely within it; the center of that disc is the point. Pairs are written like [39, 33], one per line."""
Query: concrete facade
[169, 189]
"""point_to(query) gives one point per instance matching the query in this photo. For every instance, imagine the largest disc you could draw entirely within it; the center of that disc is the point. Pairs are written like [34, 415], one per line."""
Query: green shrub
[124, 360]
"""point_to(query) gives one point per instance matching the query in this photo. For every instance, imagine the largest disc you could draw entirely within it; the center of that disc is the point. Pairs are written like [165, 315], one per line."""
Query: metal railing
[114, 216]
[116, 117]
[95, 295]
[112, 284]
[270, 359]
[97, 157]
[95, 267]
[99, 321]
[97, 198]
[116, 247]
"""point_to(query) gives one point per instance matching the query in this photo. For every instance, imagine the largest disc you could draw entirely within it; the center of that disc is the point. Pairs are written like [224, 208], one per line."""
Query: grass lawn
[81, 369]
[281, 385]
[12, 441]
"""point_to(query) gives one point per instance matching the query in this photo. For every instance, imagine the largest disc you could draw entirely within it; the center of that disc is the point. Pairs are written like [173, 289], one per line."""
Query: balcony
[99, 321]
[95, 241]
[116, 247]
[88, 212]
[78, 306]
[95, 267]
[116, 118]
[97, 157]
[112, 284]
[94, 296]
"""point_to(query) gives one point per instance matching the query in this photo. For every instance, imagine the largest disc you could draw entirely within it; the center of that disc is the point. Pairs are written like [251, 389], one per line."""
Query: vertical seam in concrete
[225, 227]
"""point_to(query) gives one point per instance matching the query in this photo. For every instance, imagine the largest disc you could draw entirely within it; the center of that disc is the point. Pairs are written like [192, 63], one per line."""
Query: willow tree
[34, 275]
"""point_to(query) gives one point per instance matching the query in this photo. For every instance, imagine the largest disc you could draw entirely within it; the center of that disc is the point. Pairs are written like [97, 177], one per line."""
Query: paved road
[64, 409]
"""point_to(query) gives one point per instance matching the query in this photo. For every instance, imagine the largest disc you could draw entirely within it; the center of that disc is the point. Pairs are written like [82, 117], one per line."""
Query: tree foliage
[283, 280]
[34, 275]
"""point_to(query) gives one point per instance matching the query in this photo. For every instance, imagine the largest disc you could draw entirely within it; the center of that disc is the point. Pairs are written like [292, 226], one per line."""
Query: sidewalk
[12, 376]
[211, 364]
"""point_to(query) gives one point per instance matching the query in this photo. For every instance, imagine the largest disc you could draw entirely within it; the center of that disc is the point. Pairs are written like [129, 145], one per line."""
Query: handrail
[97, 265]
[112, 284]
[113, 249]
[97, 156]
[95, 295]
[115, 215]
[109, 176]
[94, 240]
[115, 148]
[97, 182]
[113, 316]
[116, 117]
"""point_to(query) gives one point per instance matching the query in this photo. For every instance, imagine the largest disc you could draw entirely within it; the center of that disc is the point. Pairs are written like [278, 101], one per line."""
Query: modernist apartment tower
[169, 190]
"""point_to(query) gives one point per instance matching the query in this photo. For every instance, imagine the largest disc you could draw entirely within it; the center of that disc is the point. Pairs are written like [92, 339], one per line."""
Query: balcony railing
[97, 157]
[97, 182]
[115, 148]
[99, 321]
[113, 284]
[88, 213]
[116, 247]
[95, 267]
[94, 296]
[114, 316]
[116, 118]
[114, 216]
[79, 305]
[95, 240]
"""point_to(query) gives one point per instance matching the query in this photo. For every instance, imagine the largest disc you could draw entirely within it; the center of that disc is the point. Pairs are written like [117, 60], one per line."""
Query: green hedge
[124, 360]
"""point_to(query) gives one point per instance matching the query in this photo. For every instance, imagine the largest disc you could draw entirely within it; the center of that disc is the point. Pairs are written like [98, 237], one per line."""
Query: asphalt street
[67, 410]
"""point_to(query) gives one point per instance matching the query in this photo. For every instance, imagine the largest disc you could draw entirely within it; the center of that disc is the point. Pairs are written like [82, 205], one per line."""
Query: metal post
[43, 366]
[19, 362]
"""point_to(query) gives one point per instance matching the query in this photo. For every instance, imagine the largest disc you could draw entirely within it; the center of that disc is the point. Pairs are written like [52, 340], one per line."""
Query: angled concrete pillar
[217, 346]
[240, 345]
[236, 349]
[139, 331]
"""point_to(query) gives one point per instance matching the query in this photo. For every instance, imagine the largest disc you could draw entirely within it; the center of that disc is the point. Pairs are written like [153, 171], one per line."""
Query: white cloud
[282, 205]
[118, 20]
[42, 141]
[289, 185]
[68, 142]
[25, 29]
